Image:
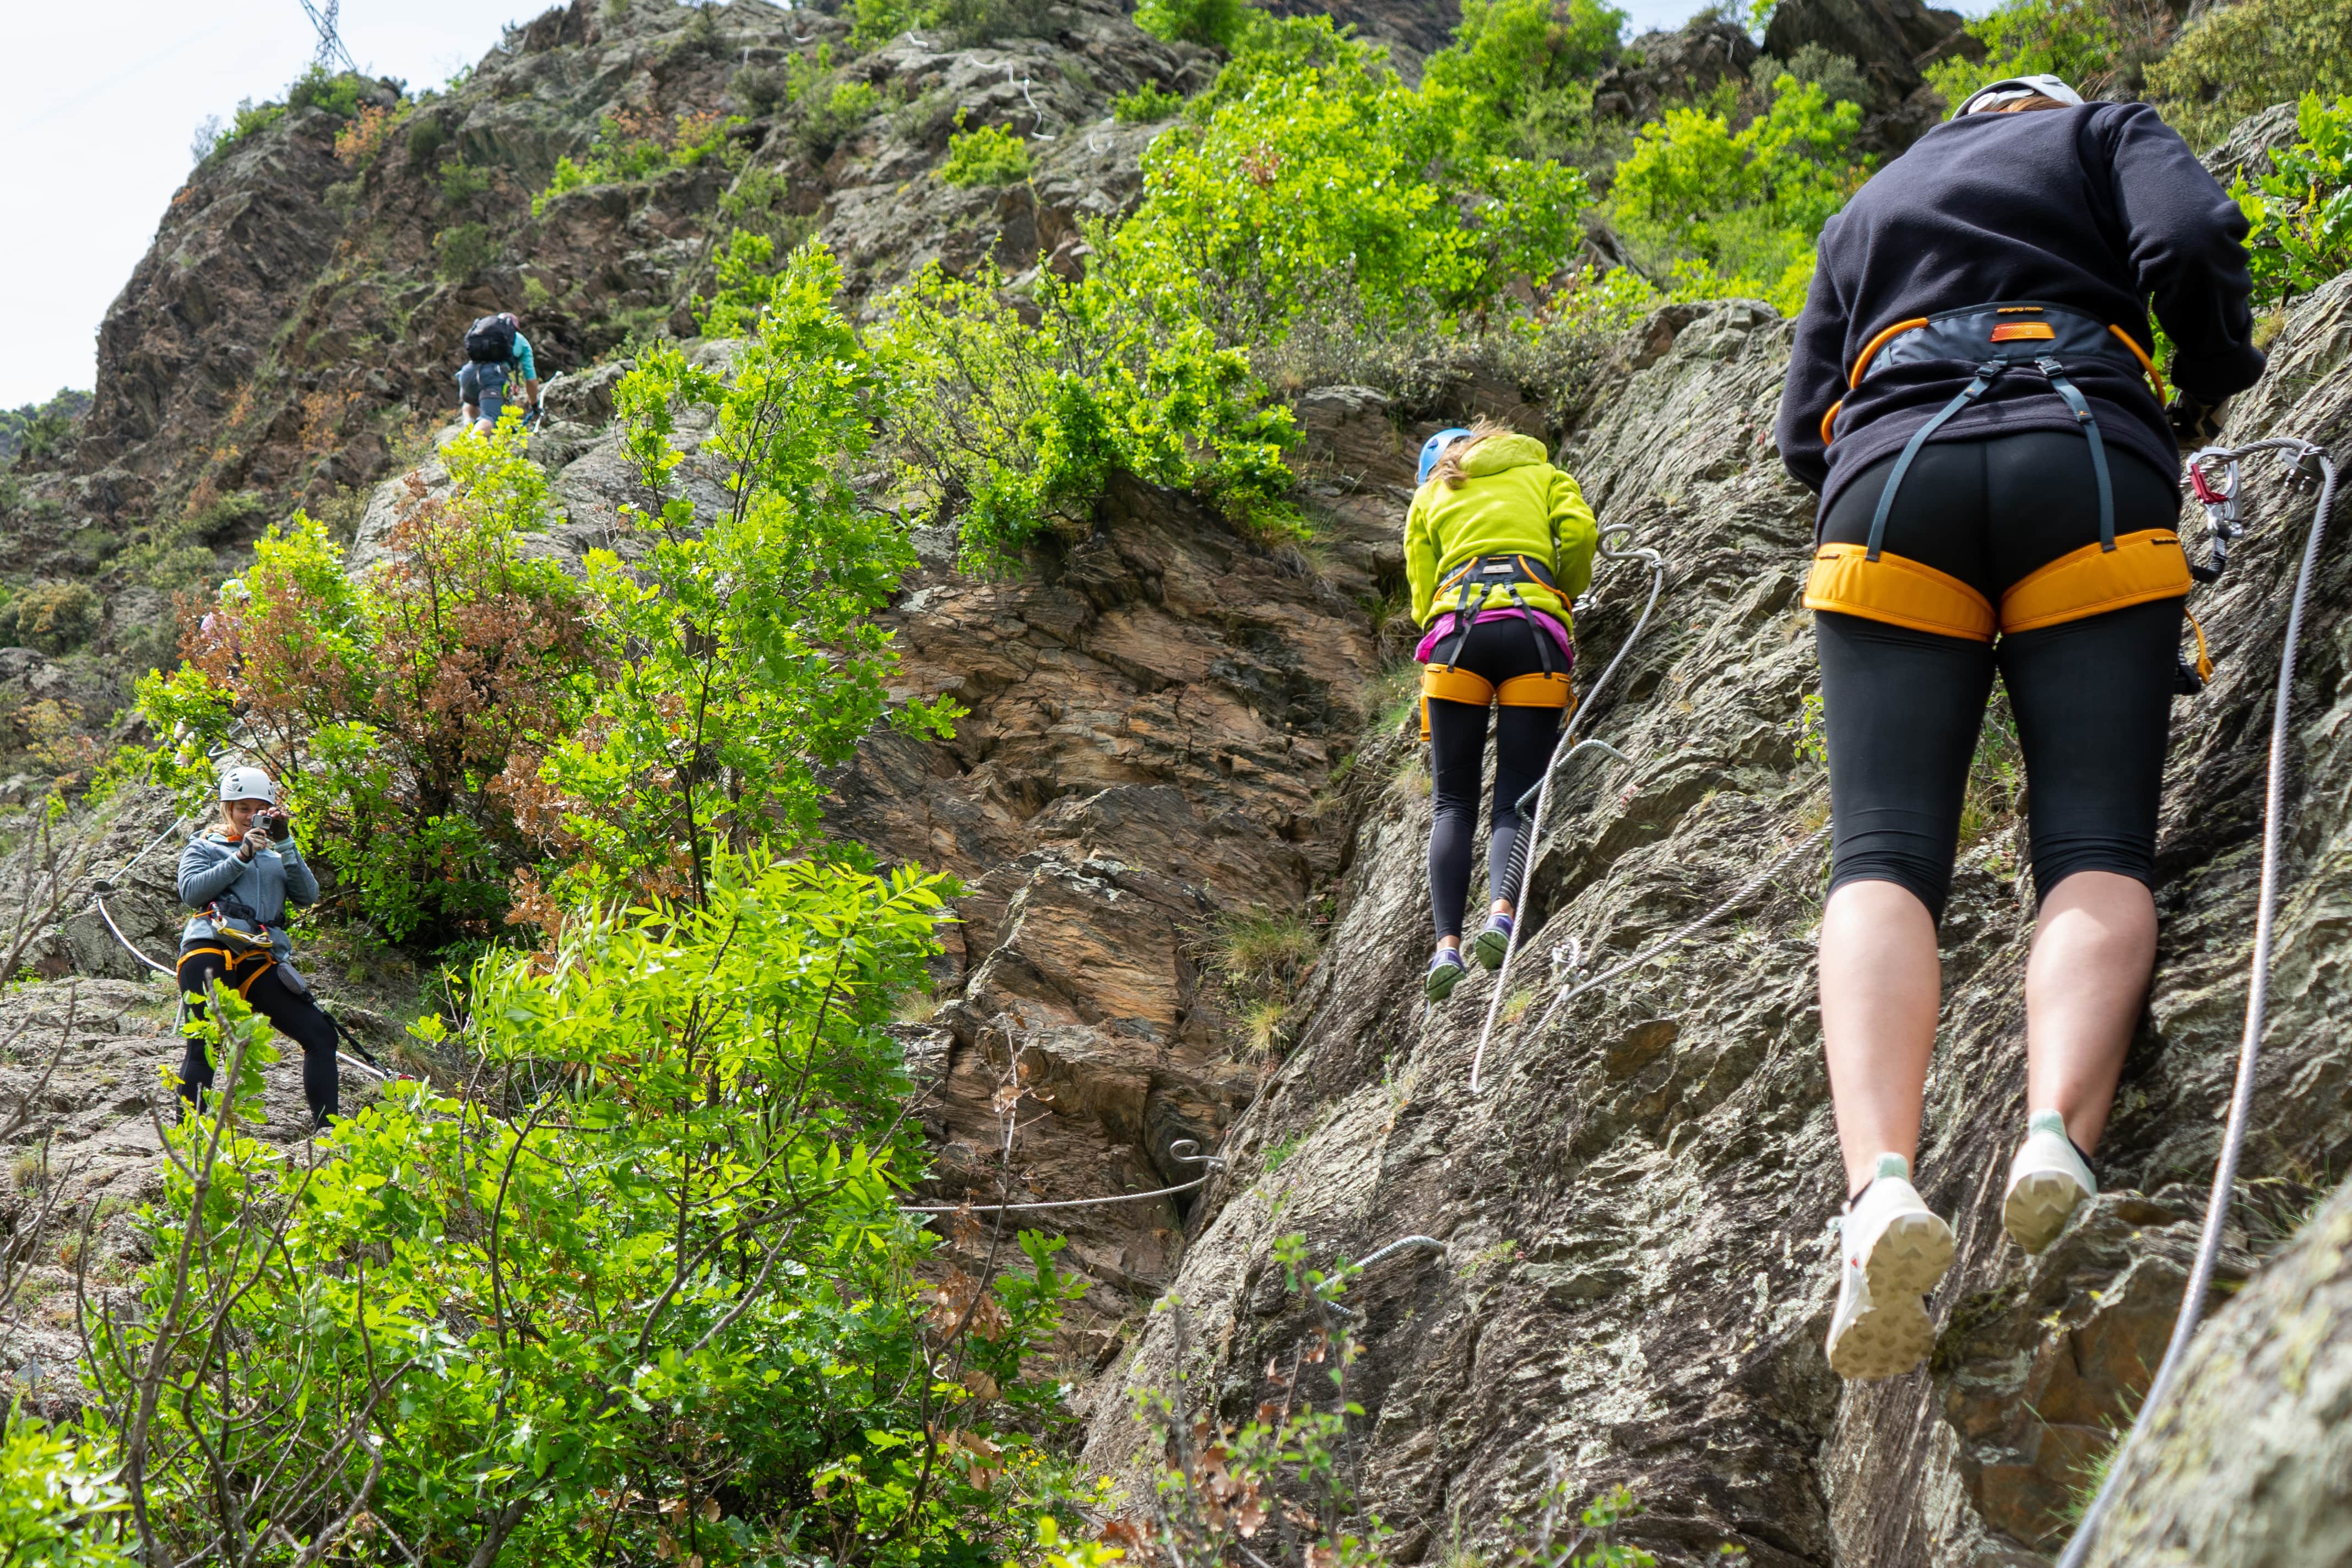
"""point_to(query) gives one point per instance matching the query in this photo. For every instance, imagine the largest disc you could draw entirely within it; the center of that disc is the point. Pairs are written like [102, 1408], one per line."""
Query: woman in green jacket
[1496, 545]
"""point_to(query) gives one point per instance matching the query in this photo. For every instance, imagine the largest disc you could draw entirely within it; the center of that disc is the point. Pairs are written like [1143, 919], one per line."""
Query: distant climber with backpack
[1972, 392]
[498, 362]
[1497, 543]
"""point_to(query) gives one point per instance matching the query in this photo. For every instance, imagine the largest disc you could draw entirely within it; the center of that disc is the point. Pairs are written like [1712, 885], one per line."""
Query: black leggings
[2093, 699]
[1497, 649]
[294, 1012]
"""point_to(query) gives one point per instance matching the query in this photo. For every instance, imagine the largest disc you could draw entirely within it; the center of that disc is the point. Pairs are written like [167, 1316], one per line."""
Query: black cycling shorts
[2093, 699]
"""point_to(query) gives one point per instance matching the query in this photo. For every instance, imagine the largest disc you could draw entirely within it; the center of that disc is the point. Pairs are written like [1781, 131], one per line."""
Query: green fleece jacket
[1512, 500]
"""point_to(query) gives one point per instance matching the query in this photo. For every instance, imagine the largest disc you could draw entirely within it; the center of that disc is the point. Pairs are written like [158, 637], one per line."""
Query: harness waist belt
[2141, 568]
[2017, 332]
[1498, 571]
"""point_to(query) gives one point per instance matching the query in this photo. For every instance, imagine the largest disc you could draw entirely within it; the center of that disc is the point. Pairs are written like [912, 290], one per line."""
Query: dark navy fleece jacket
[2103, 209]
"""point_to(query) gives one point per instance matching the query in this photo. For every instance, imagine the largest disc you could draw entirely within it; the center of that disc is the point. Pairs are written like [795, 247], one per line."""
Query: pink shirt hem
[1442, 627]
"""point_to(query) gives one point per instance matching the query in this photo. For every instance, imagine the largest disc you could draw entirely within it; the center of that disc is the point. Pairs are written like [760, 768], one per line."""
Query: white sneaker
[1893, 1252]
[2046, 1181]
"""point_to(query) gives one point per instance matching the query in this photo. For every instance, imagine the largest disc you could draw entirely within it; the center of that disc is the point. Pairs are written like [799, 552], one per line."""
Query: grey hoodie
[210, 868]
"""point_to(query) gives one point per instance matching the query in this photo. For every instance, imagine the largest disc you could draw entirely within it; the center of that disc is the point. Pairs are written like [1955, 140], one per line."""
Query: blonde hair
[2018, 106]
[1448, 471]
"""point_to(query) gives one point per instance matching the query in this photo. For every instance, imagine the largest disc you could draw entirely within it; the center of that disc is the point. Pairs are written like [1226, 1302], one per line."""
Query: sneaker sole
[1487, 949]
[2038, 1208]
[1441, 982]
[1884, 1342]
[1908, 1259]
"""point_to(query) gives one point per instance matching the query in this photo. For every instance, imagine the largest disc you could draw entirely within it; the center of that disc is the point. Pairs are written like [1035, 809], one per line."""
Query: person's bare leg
[2093, 948]
[1881, 987]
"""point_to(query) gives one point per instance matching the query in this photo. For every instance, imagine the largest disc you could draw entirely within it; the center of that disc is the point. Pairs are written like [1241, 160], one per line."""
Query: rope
[2242, 1093]
[1740, 895]
[1180, 1151]
[1522, 856]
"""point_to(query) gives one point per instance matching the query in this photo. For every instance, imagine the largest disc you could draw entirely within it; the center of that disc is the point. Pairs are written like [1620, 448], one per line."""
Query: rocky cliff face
[1173, 724]
[1635, 1212]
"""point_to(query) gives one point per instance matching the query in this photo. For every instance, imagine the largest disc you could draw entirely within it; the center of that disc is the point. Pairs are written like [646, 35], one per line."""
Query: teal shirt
[524, 365]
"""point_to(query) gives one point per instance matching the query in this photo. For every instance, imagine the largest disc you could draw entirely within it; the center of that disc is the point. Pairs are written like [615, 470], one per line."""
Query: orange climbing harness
[1447, 682]
[1869, 581]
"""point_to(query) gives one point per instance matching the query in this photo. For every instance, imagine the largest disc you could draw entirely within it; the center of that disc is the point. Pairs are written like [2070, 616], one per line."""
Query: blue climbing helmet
[1434, 447]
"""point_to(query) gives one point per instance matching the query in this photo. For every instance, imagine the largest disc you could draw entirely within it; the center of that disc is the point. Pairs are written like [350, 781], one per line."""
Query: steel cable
[1522, 853]
[2242, 1093]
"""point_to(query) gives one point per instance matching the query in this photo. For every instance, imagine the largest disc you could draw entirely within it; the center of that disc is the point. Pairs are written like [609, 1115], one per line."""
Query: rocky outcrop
[1892, 43]
[2251, 1465]
[1636, 1210]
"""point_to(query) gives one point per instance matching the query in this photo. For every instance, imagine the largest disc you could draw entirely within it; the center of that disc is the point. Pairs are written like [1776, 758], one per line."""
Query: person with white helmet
[239, 875]
[1973, 392]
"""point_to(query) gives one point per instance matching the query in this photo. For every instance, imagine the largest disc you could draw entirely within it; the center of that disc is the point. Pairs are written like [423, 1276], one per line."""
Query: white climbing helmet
[2008, 89]
[248, 784]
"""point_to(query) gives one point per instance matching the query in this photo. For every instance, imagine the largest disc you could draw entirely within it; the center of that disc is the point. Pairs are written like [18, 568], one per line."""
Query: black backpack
[490, 341]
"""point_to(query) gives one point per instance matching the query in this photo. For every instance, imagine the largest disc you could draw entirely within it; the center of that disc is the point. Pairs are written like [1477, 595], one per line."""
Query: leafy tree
[742, 655]
[645, 1294]
[1738, 212]
[1507, 54]
[405, 712]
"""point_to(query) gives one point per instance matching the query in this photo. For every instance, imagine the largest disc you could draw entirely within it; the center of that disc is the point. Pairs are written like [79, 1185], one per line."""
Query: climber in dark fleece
[1971, 394]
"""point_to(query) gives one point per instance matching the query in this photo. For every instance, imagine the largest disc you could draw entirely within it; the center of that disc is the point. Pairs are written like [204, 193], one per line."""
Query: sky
[98, 104]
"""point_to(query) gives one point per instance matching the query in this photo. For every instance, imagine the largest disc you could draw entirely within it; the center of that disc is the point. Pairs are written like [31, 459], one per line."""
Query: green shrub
[250, 120]
[1507, 54]
[37, 430]
[1317, 173]
[874, 23]
[759, 90]
[1015, 428]
[972, 23]
[2092, 43]
[461, 250]
[459, 181]
[632, 145]
[53, 617]
[1727, 212]
[224, 517]
[1218, 24]
[986, 155]
[426, 138]
[1145, 104]
[831, 111]
[2238, 60]
[339, 93]
[2300, 212]
[643, 1295]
